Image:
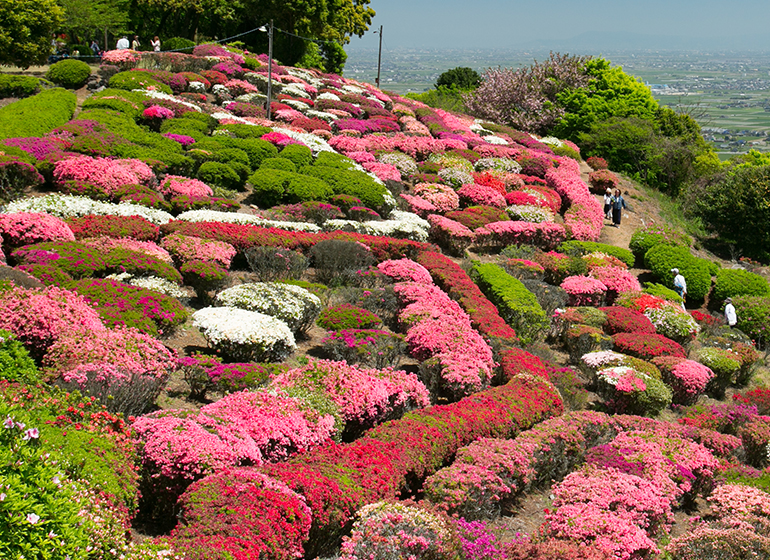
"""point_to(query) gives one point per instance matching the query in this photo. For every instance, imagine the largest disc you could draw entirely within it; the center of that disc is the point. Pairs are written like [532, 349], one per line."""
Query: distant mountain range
[611, 40]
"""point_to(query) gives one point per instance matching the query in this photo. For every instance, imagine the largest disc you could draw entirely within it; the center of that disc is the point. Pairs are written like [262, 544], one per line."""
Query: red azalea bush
[625, 320]
[758, 397]
[117, 227]
[27, 228]
[647, 346]
[596, 163]
[545, 196]
[515, 361]
[603, 179]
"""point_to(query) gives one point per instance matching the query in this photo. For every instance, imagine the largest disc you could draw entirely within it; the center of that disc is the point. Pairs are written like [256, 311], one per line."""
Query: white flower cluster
[71, 206]
[229, 116]
[328, 96]
[530, 213]
[293, 305]
[492, 139]
[552, 141]
[402, 225]
[296, 104]
[161, 95]
[614, 374]
[599, 359]
[673, 322]
[245, 335]
[501, 164]
[196, 87]
[309, 77]
[455, 177]
[295, 90]
[315, 143]
[403, 162]
[244, 219]
[219, 89]
[323, 115]
[252, 97]
[152, 283]
[348, 88]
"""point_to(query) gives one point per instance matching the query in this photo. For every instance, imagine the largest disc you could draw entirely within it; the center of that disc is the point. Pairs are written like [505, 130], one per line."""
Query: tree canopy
[26, 30]
[461, 77]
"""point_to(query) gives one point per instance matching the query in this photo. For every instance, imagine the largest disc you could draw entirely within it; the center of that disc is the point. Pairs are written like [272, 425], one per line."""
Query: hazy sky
[506, 24]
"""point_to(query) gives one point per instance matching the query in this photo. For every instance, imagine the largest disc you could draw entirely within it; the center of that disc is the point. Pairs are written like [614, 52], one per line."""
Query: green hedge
[128, 102]
[697, 272]
[37, 115]
[753, 314]
[585, 247]
[356, 183]
[738, 282]
[258, 150]
[18, 86]
[661, 291]
[273, 186]
[15, 362]
[516, 304]
[218, 174]
[69, 73]
[299, 154]
[245, 130]
[131, 80]
[279, 163]
[646, 238]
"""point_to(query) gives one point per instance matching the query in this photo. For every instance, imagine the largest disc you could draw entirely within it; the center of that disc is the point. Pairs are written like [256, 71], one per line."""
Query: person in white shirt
[730, 315]
[680, 285]
[123, 43]
[608, 204]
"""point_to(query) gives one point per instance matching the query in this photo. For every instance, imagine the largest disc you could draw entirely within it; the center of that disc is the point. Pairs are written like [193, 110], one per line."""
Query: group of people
[614, 203]
[134, 45]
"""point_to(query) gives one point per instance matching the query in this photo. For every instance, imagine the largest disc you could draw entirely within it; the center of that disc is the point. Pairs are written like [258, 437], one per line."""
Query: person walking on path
[95, 47]
[123, 43]
[608, 204]
[680, 285]
[155, 44]
[135, 44]
[618, 203]
[730, 315]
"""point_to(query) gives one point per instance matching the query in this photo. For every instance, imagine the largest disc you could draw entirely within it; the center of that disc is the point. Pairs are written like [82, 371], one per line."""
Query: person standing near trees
[155, 44]
[680, 284]
[135, 44]
[122, 44]
[618, 203]
[730, 315]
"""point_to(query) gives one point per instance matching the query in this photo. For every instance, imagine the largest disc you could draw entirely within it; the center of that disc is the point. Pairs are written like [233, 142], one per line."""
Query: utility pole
[269, 69]
[379, 60]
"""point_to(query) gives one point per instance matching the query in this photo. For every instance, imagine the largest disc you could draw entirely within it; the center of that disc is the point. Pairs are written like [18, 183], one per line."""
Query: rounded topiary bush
[137, 80]
[697, 272]
[738, 282]
[274, 186]
[646, 238]
[69, 73]
[219, 175]
[347, 316]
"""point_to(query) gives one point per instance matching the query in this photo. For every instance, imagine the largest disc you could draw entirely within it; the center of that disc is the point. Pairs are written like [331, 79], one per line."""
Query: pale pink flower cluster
[585, 218]
[240, 87]
[103, 172]
[440, 331]
[174, 185]
[496, 151]
[599, 359]
[419, 205]
[364, 396]
[616, 279]
[107, 244]
[26, 228]
[443, 197]
[412, 126]
[287, 115]
[405, 270]
[584, 290]
[730, 500]
[242, 428]
[546, 235]
[692, 377]
[383, 171]
[125, 58]
[186, 248]
[473, 195]
[362, 157]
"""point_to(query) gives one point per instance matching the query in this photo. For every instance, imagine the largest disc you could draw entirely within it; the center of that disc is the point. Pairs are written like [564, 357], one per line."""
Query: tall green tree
[26, 31]
[90, 19]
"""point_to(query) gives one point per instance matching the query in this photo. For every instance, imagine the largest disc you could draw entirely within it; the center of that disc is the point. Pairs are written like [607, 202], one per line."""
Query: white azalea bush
[293, 305]
[66, 206]
[402, 225]
[501, 164]
[530, 213]
[244, 219]
[673, 322]
[245, 336]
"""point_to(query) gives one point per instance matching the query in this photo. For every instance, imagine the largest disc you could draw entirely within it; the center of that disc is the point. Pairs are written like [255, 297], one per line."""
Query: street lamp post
[269, 31]
[379, 59]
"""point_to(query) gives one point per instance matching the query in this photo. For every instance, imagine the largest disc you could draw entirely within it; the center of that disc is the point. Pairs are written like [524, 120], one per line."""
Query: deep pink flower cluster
[585, 218]
[584, 291]
[157, 112]
[383, 171]
[39, 148]
[106, 173]
[280, 139]
[107, 244]
[185, 248]
[546, 235]
[456, 359]
[364, 396]
[419, 147]
[475, 195]
[175, 185]
[183, 139]
[405, 270]
[29, 228]
[452, 236]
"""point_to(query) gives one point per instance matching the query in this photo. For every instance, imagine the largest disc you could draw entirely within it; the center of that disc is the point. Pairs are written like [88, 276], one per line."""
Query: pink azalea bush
[584, 291]
[109, 174]
[443, 197]
[617, 280]
[28, 228]
[405, 270]
[419, 205]
[175, 185]
[364, 396]
[383, 171]
[107, 244]
[158, 113]
[185, 248]
[452, 236]
[475, 195]
[585, 218]
[546, 235]
[125, 59]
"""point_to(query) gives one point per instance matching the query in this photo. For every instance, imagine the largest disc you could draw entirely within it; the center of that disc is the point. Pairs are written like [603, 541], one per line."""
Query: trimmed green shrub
[738, 282]
[182, 125]
[128, 102]
[516, 304]
[131, 80]
[279, 163]
[662, 258]
[178, 44]
[299, 154]
[219, 174]
[258, 150]
[15, 362]
[585, 247]
[273, 186]
[18, 86]
[37, 115]
[246, 131]
[69, 73]
[347, 316]
[725, 366]
[646, 238]
[659, 290]
[335, 160]
[753, 314]
[362, 186]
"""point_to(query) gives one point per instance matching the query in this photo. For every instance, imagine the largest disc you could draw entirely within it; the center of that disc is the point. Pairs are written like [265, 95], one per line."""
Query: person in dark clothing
[618, 204]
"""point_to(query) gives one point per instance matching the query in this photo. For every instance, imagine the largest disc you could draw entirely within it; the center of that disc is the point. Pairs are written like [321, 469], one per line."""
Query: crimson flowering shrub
[120, 304]
[546, 235]
[364, 396]
[28, 228]
[242, 512]
[450, 235]
[455, 358]
[117, 227]
[623, 319]
[185, 248]
[603, 179]
[647, 346]
[584, 290]
[759, 397]
[39, 317]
